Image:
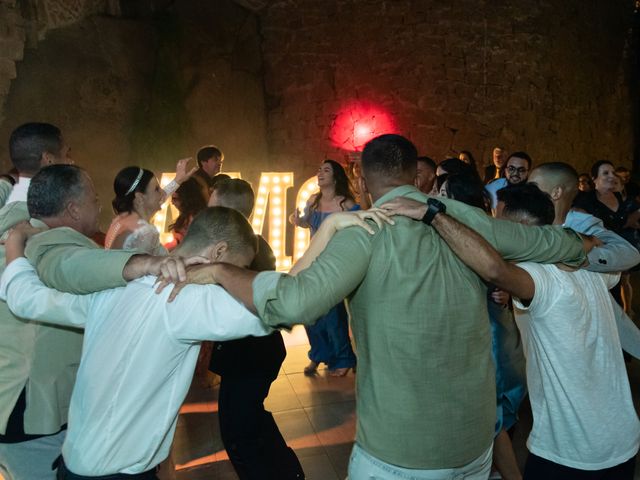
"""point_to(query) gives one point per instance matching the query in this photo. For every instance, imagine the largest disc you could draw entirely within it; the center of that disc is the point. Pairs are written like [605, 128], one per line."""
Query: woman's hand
[181, 170]
[339, 220]
[296, 219]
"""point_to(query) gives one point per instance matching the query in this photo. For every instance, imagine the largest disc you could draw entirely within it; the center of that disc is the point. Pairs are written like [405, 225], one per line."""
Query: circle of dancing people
[467, 291]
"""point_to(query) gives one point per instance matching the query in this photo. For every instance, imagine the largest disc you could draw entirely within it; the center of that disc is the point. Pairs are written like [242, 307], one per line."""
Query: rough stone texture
[12, 40]
[547, 77]
[28, 21]
[147, 91]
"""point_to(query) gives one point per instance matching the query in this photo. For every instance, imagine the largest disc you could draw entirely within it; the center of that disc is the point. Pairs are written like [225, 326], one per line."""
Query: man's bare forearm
[137, 266]
[238, 282]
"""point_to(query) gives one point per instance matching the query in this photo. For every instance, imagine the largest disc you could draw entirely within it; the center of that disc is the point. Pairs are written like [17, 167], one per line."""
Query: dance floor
[316, 416]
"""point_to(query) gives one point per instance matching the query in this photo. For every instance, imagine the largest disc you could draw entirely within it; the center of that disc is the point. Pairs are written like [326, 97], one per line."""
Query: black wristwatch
[433, 208]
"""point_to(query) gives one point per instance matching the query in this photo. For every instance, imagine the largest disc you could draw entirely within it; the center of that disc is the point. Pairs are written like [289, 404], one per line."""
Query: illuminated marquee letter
[273, 190]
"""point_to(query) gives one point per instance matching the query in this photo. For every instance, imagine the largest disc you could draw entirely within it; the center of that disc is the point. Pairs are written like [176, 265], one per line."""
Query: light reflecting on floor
[316, 416]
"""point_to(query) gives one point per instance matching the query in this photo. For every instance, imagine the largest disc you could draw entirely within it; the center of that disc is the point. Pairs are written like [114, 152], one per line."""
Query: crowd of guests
[467, 290]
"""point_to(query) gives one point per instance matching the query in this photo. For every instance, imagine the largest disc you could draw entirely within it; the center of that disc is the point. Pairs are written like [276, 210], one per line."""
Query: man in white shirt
[31, 147]
[584, 421]
[139, 351]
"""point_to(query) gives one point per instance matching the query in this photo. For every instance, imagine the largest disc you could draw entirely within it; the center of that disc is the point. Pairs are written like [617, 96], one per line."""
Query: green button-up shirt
[425, 382]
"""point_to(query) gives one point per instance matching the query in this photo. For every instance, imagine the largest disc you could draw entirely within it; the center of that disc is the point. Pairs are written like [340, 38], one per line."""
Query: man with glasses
[516, 172]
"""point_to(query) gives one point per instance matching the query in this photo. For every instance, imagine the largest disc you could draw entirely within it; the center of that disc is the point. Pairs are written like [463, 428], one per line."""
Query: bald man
[560, 181]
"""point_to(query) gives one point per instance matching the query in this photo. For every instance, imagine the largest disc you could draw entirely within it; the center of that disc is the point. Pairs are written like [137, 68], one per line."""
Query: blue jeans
[363, 466]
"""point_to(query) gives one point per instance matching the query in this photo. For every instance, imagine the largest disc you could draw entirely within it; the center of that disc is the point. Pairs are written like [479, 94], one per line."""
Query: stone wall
[12, 42]
[147, 90]
[25, 22]
[547, 77]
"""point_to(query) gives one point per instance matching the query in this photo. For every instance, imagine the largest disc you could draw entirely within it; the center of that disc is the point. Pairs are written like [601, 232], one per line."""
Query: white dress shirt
[19, 191]
[138, 358]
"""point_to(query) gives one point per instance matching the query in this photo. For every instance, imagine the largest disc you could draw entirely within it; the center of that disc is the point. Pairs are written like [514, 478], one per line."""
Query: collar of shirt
[401, 191]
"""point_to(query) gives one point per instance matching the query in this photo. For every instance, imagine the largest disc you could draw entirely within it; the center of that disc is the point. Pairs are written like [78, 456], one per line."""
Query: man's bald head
[558, 179]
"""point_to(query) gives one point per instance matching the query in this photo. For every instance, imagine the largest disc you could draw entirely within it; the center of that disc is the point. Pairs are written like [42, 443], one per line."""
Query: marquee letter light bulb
[273, 186]
[271, 193]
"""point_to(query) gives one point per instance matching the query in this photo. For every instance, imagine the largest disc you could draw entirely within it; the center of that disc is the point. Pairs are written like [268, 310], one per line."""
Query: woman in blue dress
[329, 336]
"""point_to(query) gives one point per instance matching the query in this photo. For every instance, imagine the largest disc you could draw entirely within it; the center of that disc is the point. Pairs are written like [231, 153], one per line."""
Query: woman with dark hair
[585, 184]
[467, 157]
[138, 198]
[604, 201]
[454, 166]
[189, 199]
[618, 215]
[329, 336]
[467, 189]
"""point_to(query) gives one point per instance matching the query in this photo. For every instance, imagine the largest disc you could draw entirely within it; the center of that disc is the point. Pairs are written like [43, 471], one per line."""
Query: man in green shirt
[425, 383]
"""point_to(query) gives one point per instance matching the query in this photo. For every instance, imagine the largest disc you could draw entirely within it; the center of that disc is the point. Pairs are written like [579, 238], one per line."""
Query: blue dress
[329, 336]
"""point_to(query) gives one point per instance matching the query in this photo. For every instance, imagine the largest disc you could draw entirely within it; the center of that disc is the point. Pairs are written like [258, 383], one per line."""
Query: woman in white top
[138, 198]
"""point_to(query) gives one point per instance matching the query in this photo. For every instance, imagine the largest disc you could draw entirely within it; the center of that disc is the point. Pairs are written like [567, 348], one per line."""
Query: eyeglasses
[520, 170]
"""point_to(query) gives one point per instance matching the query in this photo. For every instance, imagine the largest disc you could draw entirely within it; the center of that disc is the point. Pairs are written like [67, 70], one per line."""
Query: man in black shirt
[247, 367]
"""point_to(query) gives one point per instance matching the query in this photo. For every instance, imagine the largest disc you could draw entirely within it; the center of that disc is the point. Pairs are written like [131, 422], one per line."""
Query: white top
[583, 414]
[138, 359]
[19, 191]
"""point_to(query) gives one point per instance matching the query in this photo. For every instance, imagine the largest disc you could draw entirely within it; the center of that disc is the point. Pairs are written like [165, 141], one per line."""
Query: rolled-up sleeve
[282, 300]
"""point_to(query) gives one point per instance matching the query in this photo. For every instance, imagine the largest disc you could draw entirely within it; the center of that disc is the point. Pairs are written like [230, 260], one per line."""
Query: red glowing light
[357, 123]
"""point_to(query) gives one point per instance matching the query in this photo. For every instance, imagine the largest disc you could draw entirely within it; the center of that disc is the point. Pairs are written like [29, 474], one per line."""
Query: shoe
[311, 369]
[339, 372]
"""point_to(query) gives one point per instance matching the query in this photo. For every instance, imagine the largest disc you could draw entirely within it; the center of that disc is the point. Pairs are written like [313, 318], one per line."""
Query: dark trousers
[538, 468]
[64, 474]
[250, 434]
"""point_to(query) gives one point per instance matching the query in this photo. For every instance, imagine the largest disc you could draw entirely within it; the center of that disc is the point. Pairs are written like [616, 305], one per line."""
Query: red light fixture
[358, 122]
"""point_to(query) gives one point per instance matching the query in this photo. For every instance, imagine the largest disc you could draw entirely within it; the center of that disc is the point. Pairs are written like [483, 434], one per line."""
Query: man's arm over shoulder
[513, 241]
[616, 255]
[283, 300]
[482, 258]
[546, 244]
[27, 297]
[70, 262]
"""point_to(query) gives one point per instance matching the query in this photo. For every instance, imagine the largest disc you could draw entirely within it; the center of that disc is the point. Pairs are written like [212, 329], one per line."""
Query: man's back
[426, 394]
[583, 412]
[419, 313]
